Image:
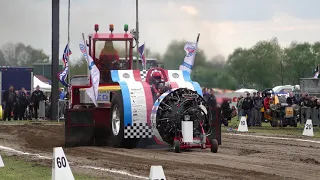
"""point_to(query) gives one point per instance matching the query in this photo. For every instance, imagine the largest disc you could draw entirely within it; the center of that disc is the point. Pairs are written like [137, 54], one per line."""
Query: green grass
[16, 169]
[267, 129]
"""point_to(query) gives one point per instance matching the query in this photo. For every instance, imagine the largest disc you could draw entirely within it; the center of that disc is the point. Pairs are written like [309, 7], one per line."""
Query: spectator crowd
[20, 105]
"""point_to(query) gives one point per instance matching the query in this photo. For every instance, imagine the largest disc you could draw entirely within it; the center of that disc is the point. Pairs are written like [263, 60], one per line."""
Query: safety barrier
[310, 113]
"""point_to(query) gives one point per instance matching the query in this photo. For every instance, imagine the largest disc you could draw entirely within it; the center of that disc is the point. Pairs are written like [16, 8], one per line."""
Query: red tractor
[164, 106]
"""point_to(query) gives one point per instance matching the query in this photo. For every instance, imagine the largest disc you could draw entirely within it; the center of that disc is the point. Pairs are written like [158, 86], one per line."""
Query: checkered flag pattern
[143, 74]
[138, 130]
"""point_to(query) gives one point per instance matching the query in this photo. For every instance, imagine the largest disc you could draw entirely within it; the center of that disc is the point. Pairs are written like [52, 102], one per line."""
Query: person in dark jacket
[9, 98]
[16, 106]
[247, 106]
[291, 100]
[36, 97]
[305, 104]
[23, 103]
[258, 104]
[212, 101]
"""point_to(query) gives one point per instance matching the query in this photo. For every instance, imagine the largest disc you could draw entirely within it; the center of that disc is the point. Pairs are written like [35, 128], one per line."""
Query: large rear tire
[116, 138]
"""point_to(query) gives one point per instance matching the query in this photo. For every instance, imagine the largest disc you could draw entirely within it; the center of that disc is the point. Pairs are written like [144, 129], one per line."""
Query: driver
[155, 81]
[266, 101]
[108, 56]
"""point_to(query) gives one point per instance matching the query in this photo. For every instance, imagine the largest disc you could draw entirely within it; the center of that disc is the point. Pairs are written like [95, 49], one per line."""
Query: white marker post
[60, 166]
[1, 162]
[243, 127]
[308, 128]
[157, 173]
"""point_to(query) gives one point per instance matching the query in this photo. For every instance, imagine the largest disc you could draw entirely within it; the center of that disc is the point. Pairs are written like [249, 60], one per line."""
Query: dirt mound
[36, 136]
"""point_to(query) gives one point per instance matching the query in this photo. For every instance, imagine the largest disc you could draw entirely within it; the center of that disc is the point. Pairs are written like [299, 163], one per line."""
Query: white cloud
[189, 10]
[160, 23]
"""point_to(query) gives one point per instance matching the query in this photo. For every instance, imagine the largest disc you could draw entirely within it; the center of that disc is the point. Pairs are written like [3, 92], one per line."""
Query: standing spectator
[61, 94]
[16, 106]
[239, 106]
[61, 104]
[36, 97]
[9, 98]
[247, 106]
[23, 103]
[258, 104]
[291, 100]
[205, 94]
[212, 101]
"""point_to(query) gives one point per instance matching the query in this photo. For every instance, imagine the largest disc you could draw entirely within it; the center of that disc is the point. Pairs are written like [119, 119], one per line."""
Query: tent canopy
[43, 86]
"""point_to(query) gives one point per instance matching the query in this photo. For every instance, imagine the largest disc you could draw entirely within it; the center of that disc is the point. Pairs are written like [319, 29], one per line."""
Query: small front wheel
[214, 146]
[176, 146]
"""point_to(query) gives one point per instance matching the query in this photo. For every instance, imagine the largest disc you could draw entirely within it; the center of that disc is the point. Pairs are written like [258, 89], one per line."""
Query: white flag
[188, 62]
[94, 74]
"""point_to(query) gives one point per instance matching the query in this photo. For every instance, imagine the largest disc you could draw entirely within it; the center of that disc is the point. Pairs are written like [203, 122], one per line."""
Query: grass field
[267, 129]
[15, 169]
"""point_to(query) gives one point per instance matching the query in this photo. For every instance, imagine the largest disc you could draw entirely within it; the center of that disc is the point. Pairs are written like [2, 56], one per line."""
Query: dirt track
[238, 157]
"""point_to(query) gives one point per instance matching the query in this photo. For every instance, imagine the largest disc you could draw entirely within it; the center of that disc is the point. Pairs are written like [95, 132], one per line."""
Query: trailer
[19, 77]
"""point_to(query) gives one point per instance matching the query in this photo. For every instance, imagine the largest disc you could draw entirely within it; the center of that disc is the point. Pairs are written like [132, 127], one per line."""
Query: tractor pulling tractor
[165, 107]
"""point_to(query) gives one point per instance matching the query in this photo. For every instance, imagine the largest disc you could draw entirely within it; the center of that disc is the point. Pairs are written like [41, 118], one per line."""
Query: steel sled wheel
[116, 137]
[214, 146]
[176, 146]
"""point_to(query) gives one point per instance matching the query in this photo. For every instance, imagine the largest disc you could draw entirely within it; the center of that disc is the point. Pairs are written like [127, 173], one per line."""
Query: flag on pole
[62, 76]
[316, 75]
[67, 52]
[142, 55]
[92, 92]
[190, 48]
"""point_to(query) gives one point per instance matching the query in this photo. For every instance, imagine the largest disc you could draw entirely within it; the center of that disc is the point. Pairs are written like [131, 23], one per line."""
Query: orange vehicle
[277, 111]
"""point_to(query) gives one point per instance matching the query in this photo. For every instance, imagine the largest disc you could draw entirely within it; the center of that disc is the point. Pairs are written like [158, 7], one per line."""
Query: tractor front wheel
[116, 138]
[176, 146]
[214, 146]
[274, 122]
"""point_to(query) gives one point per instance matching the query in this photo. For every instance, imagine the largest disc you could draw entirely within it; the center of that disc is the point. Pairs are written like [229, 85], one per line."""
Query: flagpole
[195, 52]
[68, 59]
[89, 74]
[145, 56]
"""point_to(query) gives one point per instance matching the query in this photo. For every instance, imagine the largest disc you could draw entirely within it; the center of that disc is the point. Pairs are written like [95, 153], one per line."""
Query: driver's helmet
[157, 76]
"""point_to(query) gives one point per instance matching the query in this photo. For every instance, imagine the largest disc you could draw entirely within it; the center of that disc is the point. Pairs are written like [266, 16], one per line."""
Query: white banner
[94, 75]
[138, 102]
[190, 48]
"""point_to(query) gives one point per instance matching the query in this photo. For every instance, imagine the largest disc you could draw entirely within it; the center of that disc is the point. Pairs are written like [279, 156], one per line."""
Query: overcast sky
[223, 24]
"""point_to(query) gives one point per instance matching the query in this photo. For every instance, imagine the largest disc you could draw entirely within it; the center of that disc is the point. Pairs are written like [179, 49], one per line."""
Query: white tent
[43, 86]
[246, 90]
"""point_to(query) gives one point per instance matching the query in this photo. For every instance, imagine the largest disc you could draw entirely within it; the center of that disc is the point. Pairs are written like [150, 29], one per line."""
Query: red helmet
[157, 75]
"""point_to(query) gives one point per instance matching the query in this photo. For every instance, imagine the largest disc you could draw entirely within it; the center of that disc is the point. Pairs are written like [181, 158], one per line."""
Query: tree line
[265, 65]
